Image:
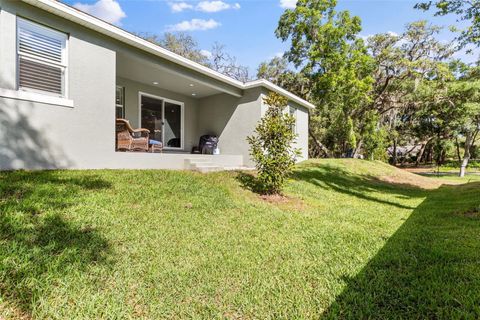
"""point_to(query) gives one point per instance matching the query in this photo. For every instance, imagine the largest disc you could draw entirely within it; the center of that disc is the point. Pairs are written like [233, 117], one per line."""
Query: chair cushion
[155, 142]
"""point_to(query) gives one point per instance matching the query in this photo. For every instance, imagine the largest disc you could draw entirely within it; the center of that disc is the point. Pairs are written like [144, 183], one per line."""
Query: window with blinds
[120, 102]
[41, 58]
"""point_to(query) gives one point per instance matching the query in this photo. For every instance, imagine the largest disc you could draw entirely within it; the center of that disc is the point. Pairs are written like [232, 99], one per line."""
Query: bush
[271, 146]
[475, 152]
[374, 139]
[455, 164]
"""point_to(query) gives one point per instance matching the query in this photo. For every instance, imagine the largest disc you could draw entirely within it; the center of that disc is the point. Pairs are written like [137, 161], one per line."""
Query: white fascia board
[273, 87]
[91, 22]
[79, 17]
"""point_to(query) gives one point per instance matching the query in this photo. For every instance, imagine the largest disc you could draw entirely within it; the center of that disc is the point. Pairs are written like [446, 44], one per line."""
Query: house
[65, 77]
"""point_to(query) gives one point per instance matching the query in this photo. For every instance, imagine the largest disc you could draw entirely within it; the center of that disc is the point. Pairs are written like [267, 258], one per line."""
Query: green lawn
[454, 166]
[355, 239]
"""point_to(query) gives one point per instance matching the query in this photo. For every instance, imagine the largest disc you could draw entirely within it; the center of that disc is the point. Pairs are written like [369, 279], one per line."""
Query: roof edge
[77, 16]
[273, 87]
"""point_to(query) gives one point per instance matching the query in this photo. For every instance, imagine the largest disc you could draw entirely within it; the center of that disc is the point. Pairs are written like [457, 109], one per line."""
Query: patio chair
[155, 146]
[129, 139]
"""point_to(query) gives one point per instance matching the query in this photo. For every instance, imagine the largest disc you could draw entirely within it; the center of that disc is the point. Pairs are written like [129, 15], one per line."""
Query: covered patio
[177, 107]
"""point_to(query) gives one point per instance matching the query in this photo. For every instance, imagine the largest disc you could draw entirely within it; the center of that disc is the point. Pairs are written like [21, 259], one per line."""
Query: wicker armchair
[129, 139]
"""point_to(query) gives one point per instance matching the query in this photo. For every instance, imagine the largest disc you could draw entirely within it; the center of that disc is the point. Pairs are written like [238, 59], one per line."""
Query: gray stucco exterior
[79, 131]
[232, 119]
[35, 135]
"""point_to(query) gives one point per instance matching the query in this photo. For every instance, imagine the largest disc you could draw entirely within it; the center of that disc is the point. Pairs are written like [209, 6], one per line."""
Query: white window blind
[41, 58]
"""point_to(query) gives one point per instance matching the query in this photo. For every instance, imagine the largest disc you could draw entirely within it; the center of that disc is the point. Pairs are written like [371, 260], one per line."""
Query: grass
[473, 165]
[453, 167]
[356, 239]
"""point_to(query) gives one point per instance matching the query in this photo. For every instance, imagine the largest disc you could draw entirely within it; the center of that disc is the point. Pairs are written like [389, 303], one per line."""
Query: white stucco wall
[231, 119]
[301, 114]
[301, 141]
[37, 135]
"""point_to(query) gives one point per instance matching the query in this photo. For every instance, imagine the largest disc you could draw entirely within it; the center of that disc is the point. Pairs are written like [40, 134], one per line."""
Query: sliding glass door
[172, 124]
[151, 110]
[164, 119]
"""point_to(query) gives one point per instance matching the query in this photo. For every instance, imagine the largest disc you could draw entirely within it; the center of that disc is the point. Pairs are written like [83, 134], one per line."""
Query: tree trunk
[466, 154]
[356, 153]
[319, 145]
[407, 154]
[394, 155]
[429, 157]
[421, 152]
[443, 156]
[457, 145]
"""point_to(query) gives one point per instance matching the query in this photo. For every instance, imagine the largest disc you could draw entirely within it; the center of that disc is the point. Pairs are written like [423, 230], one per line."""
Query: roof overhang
[273, 87]
[72, 14]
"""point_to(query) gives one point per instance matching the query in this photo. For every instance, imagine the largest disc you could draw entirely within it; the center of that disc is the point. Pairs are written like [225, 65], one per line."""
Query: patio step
[203, 168]
[210, 164]
[202, 165]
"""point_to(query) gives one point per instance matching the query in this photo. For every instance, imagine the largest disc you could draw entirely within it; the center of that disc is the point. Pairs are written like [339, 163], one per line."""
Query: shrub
[271, 146]
[374, 139]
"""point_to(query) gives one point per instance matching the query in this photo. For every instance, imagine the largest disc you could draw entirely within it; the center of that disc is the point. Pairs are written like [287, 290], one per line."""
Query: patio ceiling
[152, 74]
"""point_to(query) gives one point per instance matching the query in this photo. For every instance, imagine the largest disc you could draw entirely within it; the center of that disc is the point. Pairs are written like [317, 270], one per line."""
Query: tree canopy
[465, 10]
[378, 95]
[185, 45]
[396, 97]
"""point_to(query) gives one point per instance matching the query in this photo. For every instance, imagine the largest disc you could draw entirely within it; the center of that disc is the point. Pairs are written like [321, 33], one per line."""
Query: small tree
[271, 147]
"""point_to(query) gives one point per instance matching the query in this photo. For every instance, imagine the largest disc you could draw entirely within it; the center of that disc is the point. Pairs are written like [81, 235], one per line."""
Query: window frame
[122, 90]
[63, 65]
[164, 100]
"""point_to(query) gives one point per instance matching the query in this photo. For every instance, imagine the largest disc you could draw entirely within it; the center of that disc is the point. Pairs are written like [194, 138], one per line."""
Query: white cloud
[179, 6]
[194, 24]
[365, 37]
[107, 10]
[288, 4]
[206, 53]
[215, 6]
[203, 6]
[277, 55]
[390, 33]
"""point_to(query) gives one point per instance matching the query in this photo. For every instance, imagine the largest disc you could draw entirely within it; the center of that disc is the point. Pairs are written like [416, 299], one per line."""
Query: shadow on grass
[360, 186]
[429, 269]
[249, 181]
[39, 245]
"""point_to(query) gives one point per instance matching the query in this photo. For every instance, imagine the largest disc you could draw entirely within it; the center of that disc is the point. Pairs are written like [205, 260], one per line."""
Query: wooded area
[401, 98]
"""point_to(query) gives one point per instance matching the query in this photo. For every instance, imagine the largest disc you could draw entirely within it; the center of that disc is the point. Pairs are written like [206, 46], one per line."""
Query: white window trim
[64, 64]
[35, 97]
[120, 105]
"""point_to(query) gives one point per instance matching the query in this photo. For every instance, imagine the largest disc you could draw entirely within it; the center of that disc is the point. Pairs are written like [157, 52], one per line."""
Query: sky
[246, 27]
